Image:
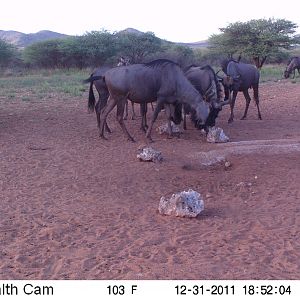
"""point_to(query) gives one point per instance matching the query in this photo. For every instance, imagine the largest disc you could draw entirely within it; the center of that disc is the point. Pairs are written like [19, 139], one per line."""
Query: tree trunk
[259, 63]
[256, 62]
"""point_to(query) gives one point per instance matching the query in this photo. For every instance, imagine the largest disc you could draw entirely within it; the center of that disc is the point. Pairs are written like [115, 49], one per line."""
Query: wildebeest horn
[222, 103]
[218, 72]
[226, 102]
[220, 78]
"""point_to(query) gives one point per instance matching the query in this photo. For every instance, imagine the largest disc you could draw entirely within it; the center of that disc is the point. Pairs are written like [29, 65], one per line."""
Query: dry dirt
[76, 207]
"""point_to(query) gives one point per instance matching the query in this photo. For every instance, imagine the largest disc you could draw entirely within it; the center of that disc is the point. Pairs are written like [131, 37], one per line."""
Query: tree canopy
[102, 48]
[137, 46]
[257, 39]
[7, 53]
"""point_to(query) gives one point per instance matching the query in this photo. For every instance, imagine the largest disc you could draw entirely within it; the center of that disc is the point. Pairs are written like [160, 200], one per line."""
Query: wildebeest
[240, 77]
[161, 80]
[204, 79]
[292, 66]
[96, 79]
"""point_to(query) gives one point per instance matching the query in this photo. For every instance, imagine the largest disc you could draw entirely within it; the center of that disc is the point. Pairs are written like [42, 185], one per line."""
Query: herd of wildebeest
[197, 91]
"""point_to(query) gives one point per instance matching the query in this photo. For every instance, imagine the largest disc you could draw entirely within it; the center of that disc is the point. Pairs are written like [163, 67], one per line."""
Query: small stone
[216, 135]
[183, 204]
[227, 164]
[208, 195]
[164, 128]
[149, 154]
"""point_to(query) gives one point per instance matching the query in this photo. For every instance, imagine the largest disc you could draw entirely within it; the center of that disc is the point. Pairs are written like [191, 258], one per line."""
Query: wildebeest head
[205, 80]
[214, 110]
[293, 64]
[286, 74]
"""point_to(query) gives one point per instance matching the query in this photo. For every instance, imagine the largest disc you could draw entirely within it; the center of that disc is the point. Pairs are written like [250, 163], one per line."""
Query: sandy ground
[73, 206]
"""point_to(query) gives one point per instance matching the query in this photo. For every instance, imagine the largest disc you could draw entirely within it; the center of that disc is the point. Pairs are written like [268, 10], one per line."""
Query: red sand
[77, 207]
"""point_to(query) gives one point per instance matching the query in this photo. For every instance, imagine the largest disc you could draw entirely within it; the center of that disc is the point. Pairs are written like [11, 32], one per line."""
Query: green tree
[92, 49]
[7, 53]
[256, 39]
[180, 54]
[97, 47]
[137, 46]
[44, 54]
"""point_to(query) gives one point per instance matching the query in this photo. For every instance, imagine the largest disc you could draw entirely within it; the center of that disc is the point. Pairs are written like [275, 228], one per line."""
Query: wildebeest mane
[159, 63]
[213, 77]
[217, 82]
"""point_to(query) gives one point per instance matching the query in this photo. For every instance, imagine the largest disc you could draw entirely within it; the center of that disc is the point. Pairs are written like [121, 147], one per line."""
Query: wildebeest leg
[169, 114]
[133, 112]
[152, 106]
[158, 108]
[184, 117]
[184, 121]
[234, 94]
[126, 110]
[143, 110]
[120, 113]
[97, 111]
[256, 98]
[99, 106]
[111, 103]
[248, 100]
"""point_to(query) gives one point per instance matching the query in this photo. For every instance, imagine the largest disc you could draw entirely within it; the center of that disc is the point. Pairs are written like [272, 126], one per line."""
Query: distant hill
[200, 44]
[22, 40]
[131, 31]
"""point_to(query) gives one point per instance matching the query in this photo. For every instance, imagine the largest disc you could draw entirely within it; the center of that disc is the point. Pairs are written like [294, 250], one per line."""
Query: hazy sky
[177, 21]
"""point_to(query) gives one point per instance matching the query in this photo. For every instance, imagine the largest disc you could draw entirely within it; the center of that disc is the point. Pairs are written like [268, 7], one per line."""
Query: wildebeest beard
[210, 122]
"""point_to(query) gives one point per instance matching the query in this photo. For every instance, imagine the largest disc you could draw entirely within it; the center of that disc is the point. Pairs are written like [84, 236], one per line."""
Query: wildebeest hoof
[149, 138]
[103, 137]
[131, 139]
[243, 118]
[230, 121]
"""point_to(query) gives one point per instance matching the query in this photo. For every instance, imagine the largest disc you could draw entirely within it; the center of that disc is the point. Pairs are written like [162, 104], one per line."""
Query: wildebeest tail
[92, 79]
[92, 100]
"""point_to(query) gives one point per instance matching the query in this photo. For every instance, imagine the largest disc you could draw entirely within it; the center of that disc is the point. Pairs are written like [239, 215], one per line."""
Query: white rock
[164, 128]
[183, 204]
[149, 154]
[227, 164]
[216, 135]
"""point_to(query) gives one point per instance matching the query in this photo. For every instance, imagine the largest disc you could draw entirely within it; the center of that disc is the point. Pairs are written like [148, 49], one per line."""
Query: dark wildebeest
[160, 80]
[205, 80]
[103, 94]
[240, 77]
[292, 66]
